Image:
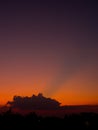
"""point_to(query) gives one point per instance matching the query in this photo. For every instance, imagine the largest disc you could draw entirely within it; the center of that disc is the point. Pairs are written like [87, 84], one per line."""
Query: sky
[49, 47]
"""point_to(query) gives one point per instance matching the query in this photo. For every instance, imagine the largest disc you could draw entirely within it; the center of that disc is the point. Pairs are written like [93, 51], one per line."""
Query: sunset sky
[49, 47]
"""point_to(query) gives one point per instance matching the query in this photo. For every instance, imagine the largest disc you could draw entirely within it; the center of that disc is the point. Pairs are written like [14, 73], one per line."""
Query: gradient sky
[49, 47]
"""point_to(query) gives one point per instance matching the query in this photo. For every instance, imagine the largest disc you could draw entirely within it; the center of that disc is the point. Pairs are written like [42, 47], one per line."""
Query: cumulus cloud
[34, 102]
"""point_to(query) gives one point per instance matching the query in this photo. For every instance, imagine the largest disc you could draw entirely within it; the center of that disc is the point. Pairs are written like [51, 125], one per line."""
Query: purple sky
[49, 44]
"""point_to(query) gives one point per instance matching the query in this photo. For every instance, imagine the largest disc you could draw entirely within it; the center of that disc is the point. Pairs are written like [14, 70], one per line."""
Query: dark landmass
[44, 106]
[32, 121]
[41, 113]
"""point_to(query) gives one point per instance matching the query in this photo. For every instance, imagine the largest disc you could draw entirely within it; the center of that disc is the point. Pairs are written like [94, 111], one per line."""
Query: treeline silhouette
[14, 120]
[31, 121]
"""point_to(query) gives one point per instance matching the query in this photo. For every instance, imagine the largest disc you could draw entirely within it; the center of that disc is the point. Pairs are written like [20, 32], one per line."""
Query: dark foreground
[10, 121]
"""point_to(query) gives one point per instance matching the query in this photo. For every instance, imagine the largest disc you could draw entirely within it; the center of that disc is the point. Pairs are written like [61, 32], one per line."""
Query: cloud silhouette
[34, 102]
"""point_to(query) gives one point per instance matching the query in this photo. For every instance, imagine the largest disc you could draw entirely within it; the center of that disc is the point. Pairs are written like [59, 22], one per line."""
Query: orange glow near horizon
[77, 90]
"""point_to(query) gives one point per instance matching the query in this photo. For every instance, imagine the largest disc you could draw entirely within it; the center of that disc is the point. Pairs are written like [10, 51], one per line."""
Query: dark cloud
[38, 102]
